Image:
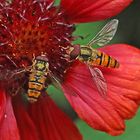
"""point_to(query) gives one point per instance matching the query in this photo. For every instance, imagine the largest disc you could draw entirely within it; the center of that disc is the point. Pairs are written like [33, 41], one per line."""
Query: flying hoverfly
[93, 57]
[37, 77]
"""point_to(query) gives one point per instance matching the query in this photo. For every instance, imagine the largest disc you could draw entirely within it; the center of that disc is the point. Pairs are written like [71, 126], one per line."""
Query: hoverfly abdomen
[101, 59]
[95, 57]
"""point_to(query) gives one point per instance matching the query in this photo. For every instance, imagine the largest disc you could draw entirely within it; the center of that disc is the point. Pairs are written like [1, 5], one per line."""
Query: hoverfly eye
[75, 52]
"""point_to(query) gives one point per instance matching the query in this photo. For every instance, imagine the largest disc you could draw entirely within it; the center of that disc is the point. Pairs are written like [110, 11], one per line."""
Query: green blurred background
[128, 32]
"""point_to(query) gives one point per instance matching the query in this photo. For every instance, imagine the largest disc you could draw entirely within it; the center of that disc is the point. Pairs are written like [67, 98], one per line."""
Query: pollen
[31, 40]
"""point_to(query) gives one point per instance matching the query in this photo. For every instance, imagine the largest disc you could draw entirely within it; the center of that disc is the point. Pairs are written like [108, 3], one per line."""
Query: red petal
[26, 126]
[106, 114]
[2, 103]
[52, 123]
[127, 77]
[78, 11]
[8, 125]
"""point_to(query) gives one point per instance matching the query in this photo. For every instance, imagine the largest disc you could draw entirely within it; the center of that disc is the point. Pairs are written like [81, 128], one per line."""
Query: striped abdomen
[101, 59]
[36, 85]
[95, 57]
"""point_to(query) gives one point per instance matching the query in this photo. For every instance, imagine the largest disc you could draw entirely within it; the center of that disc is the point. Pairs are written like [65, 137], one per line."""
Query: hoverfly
[93, 57]
[37, 77]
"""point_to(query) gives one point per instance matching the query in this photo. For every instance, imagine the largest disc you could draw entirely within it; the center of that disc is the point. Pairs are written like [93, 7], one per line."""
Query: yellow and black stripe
[102, 59]
[97, 58]
[36, 84]
[37, 78]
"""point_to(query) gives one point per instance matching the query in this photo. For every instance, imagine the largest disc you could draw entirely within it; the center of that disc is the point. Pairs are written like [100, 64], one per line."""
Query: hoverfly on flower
[39, 70]
[37, 77]
[93, 57]
[37, 74]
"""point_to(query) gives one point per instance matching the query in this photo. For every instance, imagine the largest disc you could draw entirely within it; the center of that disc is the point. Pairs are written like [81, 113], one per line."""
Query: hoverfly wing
[15, 80]
[7, 62]
[6, 65]
[6, 74]
[9, 69]
[55, 81]
[106, 34]
[20, 72]
[99, 81]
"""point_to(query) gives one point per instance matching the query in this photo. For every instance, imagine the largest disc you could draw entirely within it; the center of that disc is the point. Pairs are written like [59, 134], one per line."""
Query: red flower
[31, 28]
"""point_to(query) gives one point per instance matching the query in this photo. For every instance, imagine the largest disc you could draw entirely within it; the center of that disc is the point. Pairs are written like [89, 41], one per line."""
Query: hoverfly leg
[16, 92]
[16, 73]
[99, 81]
[20, 72]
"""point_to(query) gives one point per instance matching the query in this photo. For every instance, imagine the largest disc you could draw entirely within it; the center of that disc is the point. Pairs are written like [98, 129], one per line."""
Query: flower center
[34, 31]
[31, 40]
